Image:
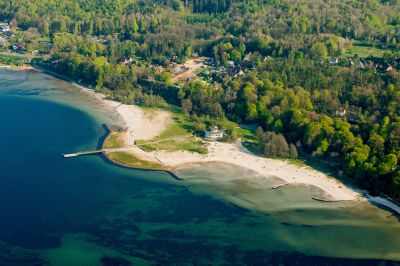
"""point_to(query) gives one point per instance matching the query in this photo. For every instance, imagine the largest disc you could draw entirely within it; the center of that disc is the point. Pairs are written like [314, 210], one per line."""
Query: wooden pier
[80, 153]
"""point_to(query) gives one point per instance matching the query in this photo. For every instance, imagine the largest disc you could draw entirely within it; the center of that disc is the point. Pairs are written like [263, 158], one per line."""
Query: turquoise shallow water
[86, 211]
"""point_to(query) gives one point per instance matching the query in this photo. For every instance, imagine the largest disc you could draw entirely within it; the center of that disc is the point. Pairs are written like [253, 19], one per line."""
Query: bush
[275, 145]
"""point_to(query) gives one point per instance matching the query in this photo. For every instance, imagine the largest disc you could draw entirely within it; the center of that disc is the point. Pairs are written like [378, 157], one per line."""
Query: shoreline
[233, 153]
[121, 164]
[236, 154]
[171, 173]
[24, 67]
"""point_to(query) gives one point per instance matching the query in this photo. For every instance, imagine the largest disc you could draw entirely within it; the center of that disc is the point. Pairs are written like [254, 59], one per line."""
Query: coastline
[136, 128]
[24, 67]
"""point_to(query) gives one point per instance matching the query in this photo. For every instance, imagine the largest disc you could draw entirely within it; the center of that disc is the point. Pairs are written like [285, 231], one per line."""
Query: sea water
[87, 211]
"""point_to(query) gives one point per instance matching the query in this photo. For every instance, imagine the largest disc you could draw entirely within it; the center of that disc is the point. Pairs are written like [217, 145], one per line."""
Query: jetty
[330, 201]
[81, 153]
[279, 186]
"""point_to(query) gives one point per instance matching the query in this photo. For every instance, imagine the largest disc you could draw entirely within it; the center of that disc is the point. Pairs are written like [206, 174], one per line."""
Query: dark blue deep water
[86, 211]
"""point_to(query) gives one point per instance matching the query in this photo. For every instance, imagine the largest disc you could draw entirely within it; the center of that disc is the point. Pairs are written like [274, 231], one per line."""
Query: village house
[373, 65]
[213, 133]
[209, 62]
[18, 47]
[334, 61]
[389, 68]
[4, 27]
[159, 69]
[341, 112]
[127, 60]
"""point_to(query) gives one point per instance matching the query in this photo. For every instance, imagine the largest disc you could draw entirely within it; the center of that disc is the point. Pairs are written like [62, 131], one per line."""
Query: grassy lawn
[364, 51]
[178, 136]
[130, 160]
[251, 146]
[114, 140]
[11, 60]
[298, 162]
[246, 134]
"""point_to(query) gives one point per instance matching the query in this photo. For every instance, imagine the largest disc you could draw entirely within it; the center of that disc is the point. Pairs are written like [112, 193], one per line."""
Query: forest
[304, 81]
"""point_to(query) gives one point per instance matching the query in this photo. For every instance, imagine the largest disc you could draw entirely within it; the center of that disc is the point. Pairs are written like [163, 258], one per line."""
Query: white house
[341, 112]
[214, 133]
[4, 27]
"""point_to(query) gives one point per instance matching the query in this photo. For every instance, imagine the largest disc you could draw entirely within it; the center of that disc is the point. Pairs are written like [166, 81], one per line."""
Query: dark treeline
[289, 87]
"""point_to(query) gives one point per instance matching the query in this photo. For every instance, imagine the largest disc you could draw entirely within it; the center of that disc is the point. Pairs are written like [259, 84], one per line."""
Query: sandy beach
[141, 124]
[236, 154]
[23, 67]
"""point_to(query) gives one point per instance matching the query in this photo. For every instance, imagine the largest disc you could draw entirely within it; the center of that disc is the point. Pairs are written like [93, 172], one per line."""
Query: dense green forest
[302, 62]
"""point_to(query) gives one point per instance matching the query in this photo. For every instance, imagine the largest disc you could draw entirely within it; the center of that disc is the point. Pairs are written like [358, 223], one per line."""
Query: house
[389, 68]
[209, 62]
[246, 62]
[334, 61]
[213, 133]
[127, 60]
[159, 69]
[4, 27]
[373, 65]
[353, 113]
[247, 57]
[341, 112]
[18, 47]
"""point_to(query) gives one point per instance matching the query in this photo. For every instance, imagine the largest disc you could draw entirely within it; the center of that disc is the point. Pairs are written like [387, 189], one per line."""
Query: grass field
[244, 133]
[11, 60]
[114, 140]
[178, 136]
[130, 160]
[364, 51]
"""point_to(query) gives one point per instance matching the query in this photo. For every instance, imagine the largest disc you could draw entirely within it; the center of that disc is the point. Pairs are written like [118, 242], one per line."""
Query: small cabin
[214, 133]
[4, 27]
[389, 68]
[341, 112]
